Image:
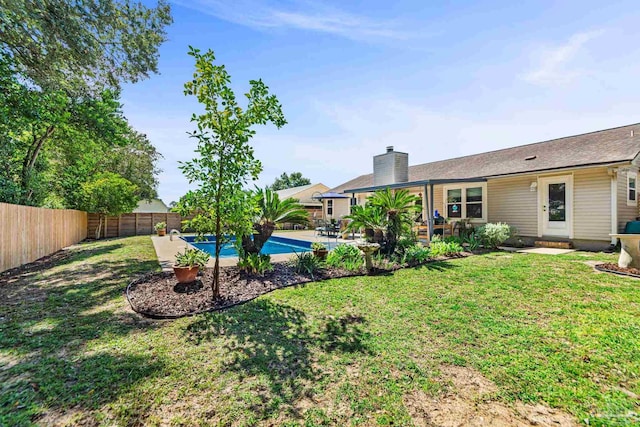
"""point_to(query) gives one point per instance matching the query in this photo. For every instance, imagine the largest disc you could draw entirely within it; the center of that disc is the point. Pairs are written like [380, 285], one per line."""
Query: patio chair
[321, 227]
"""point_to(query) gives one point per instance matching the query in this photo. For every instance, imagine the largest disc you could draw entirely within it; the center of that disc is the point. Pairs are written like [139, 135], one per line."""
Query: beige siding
[625, 213]
[438, 200]
[591, 204]
[340, 208]
[306, 196]
[511, 200]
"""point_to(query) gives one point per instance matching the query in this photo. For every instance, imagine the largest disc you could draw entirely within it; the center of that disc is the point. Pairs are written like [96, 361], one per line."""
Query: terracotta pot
[320, 253]
[162, 232]
[186, 274]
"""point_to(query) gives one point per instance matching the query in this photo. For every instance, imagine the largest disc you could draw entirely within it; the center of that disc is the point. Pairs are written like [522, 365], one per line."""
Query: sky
[434, 79]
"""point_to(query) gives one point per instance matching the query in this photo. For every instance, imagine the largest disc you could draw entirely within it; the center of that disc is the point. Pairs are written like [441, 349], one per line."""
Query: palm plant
[400, 208]
[271, 211]
[368, 218]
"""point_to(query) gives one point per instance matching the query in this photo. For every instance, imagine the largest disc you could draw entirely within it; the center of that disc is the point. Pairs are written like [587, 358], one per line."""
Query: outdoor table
[630, 250]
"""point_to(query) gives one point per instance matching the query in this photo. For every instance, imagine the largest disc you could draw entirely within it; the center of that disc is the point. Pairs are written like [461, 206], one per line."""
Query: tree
[108, 194]
[271, 212]
[61, 66]
[400, 207]
[78, 158]
[50, 144]
[137, 161]
[226, 162]
[82, 46]
[289, 181]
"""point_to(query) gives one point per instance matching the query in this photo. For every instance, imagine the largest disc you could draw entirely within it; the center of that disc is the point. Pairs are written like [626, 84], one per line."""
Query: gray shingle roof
[600, 147]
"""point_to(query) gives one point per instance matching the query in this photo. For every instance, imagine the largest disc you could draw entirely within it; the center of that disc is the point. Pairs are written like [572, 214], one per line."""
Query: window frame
[329, 207]
[634, 175]
[463, 190]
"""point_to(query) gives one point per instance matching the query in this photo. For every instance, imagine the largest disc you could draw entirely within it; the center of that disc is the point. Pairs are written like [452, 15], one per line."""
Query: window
[632, 193]
[329, 207]
[465, 201]
[474, 202]
[454, 203]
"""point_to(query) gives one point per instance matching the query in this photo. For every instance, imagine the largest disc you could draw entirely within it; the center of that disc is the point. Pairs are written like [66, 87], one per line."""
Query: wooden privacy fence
[28, 233]
[133, 224]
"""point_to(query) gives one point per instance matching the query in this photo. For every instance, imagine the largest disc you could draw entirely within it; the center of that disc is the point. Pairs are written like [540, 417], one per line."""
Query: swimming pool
[275, 245]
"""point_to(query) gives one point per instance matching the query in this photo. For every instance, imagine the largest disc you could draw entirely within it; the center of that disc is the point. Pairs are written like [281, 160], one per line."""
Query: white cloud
[299, 15]
[555, 63]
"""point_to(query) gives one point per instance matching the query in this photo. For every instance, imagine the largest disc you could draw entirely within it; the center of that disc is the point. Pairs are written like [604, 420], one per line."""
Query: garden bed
[160, 296]
[616, 269]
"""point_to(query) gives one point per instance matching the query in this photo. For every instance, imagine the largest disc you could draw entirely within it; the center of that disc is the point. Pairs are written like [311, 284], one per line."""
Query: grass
[341, 352]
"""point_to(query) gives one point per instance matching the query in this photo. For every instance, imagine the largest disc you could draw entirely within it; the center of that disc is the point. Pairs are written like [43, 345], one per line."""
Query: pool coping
[166, 248]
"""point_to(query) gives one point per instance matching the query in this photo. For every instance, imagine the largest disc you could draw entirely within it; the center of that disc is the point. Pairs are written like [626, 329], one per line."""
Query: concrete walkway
[540, 251]
[166, 249]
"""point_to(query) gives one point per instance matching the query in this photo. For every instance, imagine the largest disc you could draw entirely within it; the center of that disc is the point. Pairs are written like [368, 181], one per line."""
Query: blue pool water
[275, 245]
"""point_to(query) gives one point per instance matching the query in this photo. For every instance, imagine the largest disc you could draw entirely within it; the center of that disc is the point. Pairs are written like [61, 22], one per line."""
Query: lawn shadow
[56, 259]
[50, 311]
[436, 265]
[278, 343]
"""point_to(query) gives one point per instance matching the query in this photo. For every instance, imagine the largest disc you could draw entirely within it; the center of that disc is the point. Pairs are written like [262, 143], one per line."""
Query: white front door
[556, 195]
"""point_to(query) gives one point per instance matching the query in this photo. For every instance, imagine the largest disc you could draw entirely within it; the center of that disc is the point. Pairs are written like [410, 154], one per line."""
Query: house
[579, 188]
[151, 206]
[305, 195]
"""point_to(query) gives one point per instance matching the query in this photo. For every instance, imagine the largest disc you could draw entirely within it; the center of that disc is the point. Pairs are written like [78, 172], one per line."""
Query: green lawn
[341, 352]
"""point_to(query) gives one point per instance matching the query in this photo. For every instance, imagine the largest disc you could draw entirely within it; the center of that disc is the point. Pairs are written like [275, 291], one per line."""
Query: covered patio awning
[329, 195]
[426, 184]
[411, 184]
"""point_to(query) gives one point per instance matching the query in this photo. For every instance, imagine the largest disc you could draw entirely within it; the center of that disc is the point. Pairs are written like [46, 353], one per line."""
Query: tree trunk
[249, 246]
[264, 232]
[31, 157]
[215, 286]
[99, 227]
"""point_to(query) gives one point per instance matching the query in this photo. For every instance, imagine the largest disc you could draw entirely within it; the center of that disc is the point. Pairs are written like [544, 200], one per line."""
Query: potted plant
[319, 250]
[188, 263]
[161, 228]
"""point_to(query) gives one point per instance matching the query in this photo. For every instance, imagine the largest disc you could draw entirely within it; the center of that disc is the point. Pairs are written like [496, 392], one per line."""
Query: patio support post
[428, 197]
[430, 212]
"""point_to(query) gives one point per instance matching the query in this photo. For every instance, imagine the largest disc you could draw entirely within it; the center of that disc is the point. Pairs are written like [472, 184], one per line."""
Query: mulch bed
[615, 269]
[159, 295]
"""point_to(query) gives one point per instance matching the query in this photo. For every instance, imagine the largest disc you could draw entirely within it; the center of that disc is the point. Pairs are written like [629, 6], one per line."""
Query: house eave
[561, 169]
[411, 184]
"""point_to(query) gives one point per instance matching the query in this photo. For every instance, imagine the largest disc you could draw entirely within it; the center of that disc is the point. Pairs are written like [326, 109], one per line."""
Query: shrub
[416, 254]
[160, 226]
[306, 263]
[472, 241]
[493, 235]
[439, 247]
[317, 246]
[345, 256]
[404, 243]
[255, 263]
[383, 262]
[191, 258]
[453, 239]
